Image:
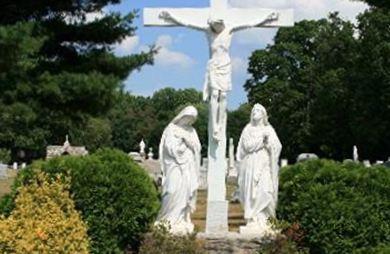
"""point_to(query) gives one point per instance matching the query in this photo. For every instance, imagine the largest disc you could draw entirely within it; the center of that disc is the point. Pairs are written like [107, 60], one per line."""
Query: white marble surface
[180, 164]
[258, 157]
[219, 22]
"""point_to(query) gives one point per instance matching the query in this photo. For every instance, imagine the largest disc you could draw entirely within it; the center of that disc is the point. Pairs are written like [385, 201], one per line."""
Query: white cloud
[128, 46]
[168, 57]
[304, 9]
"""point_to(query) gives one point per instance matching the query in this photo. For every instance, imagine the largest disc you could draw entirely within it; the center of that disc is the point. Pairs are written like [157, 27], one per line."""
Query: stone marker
[284, 163]
[15, 166]
[306, 156]
[3, 171]
[232, 162]
[367, 163]
[219, 22]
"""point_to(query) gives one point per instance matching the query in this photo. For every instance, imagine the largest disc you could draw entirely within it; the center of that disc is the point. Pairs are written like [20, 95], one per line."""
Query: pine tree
[58, 69]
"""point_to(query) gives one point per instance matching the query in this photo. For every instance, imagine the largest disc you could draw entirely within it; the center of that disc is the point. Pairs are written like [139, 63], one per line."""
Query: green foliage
[237, 120]
[116, 197]
[95, 134]
[134, 118]
[325, 88]
[342, 208]
[5, 156]
[160, 240]
[58, 71]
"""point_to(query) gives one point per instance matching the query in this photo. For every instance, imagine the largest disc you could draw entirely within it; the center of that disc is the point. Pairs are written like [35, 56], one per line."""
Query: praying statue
[258, 156]
[218, 80]
[180, 164]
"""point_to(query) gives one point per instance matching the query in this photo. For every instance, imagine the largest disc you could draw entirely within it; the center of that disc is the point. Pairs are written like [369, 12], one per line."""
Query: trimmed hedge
[343, 208]
[116, 197]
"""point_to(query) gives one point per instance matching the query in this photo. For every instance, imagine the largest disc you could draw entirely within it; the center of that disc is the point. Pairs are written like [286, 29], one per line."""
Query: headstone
[306, 156]
[379, 162]
[232, 162]
[219, 22]
[15, 166]
[203, 176]
[24, 165]
[284, 163]
[367, 163]
[3, 171]
[136, 156]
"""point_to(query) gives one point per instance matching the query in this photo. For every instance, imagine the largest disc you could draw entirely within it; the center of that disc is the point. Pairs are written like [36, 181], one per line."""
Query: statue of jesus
[218, 80]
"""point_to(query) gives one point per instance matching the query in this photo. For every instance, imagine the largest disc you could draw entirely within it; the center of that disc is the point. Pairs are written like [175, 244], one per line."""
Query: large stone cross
[219, 22]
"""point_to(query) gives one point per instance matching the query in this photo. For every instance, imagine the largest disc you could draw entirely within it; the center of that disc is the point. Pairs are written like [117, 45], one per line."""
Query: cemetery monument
[219, 22]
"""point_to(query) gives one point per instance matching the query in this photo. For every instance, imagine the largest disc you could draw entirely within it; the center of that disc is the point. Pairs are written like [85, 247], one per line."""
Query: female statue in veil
[258, 156]
[180, 164]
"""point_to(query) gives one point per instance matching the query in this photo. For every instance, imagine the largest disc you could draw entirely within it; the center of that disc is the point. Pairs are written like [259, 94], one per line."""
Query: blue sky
[182, 60]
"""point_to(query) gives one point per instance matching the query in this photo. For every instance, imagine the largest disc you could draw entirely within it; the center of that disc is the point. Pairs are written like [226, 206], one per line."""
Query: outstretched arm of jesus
[258, 23]
[165, 15]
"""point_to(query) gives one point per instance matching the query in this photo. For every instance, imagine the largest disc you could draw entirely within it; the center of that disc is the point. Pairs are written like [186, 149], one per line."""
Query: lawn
[236, 214]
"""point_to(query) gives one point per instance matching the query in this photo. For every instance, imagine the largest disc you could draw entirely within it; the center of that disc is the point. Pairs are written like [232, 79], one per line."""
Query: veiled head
[186, 117]
[259, 115]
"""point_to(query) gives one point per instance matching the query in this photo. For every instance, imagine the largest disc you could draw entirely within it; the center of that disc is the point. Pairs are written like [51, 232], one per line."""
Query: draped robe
[180, 163]
[258, 172]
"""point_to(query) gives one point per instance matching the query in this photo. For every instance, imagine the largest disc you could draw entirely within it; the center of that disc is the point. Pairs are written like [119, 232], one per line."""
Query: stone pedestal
[217, 220]
[217, 205]
[232, 243]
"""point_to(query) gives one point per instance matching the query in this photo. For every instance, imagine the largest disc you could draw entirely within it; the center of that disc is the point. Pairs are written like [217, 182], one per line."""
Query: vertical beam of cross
[219, 4]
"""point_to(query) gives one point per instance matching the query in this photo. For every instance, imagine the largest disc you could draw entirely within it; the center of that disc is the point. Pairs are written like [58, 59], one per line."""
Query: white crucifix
[219, 22]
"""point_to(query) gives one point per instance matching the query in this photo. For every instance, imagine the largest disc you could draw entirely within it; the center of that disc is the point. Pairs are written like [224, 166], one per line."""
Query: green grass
[236, 214]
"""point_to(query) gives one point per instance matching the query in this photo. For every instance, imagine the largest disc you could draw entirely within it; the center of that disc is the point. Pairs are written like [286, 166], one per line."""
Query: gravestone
[3, 171]
[219, 22]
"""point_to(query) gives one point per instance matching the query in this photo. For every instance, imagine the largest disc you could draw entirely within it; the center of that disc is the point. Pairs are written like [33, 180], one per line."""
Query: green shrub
[116, 197]
[44, 220]
[341, 207]
[5, 156]
[161, 241]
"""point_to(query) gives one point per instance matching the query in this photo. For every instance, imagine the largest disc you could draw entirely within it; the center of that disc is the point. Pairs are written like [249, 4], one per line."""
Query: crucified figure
[218, 81]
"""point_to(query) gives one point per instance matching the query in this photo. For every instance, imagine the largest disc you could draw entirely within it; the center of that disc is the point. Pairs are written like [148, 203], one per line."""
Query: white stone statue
[180, 164]
[218, 81]
[142, 146]
[219, 22]
[258, 156]
[355, 154]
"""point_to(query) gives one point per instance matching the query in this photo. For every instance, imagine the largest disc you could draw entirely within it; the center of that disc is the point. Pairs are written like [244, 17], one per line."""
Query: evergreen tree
[58, 69]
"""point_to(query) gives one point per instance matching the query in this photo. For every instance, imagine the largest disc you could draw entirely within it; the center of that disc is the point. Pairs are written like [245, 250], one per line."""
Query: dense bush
[343, 208]
[5, 156]
[287, 241]
[116, 197]
[161, 241]
[44, 220]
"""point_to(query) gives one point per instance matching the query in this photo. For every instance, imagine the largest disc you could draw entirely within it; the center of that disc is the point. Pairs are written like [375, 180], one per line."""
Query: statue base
[182, 228]
[217, 221]
[258, 230]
